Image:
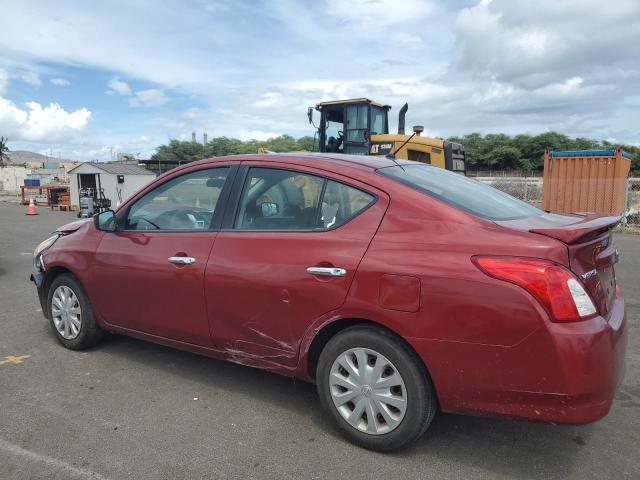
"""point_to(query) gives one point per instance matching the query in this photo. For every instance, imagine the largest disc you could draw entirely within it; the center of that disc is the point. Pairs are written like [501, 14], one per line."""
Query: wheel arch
[50, 275]
[331, 329]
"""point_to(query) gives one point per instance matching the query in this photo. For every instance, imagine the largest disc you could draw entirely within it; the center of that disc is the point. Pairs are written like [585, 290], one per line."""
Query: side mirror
[105, 221]
[310, 114]
[269, 209]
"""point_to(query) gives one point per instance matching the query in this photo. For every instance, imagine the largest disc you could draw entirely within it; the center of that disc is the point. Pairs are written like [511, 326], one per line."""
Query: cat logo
[381, 148]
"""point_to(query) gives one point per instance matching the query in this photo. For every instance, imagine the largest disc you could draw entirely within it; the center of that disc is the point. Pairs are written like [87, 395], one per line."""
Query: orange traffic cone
[32, 208]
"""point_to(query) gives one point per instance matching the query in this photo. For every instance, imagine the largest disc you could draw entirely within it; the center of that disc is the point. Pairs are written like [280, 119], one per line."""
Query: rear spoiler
[589, 227]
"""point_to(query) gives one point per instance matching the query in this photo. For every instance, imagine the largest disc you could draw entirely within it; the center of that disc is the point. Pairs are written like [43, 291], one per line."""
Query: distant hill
[19, 157]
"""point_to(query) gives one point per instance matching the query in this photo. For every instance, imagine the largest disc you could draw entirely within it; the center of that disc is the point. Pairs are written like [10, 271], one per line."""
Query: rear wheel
[375, 388]
[71, 316]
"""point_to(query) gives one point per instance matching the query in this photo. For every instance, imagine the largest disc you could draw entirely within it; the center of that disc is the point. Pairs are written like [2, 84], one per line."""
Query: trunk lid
[591, 251]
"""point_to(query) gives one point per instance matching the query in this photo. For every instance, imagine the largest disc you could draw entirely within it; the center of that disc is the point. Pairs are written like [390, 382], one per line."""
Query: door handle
[182, 260]
[327, 271]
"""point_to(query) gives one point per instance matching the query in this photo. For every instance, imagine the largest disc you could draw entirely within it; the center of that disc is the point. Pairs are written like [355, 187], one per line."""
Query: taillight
[559, 290]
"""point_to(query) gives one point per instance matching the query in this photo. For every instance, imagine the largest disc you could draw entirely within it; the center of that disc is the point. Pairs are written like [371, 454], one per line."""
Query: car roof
[327, 160]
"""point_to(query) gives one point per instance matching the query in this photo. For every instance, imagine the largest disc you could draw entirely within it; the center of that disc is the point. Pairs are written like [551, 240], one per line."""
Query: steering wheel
[177, 220]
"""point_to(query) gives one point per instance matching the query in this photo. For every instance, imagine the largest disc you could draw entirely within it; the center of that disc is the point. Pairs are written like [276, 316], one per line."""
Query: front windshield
[461, 192]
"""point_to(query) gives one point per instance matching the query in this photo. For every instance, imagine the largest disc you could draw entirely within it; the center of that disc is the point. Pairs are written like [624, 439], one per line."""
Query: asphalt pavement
[132, 409]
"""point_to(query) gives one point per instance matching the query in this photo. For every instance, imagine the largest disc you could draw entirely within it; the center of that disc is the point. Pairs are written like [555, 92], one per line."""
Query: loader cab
[346, 126]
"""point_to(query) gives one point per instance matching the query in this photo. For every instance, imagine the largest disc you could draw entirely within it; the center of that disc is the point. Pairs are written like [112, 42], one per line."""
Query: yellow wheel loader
[361, 127]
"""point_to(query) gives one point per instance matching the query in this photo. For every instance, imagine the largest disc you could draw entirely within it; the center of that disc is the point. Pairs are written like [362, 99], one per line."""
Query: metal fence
[632, 205]
[529, 189]
[470, 172]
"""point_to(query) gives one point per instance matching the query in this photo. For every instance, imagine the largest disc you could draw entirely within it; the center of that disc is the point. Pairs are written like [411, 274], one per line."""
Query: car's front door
[287, 256]
[149, 274]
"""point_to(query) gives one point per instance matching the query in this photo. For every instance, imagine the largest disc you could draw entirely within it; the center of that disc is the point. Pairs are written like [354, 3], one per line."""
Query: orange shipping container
[585, 181]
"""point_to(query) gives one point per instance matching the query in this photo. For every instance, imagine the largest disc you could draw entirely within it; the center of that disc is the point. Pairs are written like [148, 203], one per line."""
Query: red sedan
[397, 287]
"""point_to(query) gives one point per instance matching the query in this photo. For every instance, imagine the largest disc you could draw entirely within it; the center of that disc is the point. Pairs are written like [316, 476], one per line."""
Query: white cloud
[60, 82]
[256, 135]
[38, 123]
[502, 65]
[269, 100]
[4, 80]
[32, 78]
[153, 97]
[104, 152]
[191, 113]
[380, 13]
[510, 40]
[118, 87]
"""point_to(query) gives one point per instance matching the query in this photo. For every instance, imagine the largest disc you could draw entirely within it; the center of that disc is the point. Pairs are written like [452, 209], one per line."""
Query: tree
[491, 151]
[4, 158]
[184, 151]
[507, 156]
[499, 151]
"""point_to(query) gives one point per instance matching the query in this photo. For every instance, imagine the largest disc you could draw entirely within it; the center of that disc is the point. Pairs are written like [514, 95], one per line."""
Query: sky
[83, 80]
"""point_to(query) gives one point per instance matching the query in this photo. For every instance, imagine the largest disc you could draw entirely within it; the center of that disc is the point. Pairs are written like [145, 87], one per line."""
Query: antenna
[392, 155]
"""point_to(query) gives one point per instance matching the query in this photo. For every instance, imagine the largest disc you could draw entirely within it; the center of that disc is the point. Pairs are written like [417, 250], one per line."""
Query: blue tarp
[587, 153]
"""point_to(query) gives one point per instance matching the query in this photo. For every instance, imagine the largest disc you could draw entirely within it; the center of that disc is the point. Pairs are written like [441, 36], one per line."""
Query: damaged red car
[397, 287]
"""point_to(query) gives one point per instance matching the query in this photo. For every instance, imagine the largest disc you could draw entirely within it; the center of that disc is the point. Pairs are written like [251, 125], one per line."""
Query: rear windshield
[461, 192]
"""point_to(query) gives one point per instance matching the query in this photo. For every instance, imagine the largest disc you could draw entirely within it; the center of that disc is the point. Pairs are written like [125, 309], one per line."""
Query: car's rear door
[286, 255]
[149, 274]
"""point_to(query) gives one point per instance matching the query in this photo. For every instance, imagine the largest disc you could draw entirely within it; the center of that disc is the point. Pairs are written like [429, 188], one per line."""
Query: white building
[12, 176]
[118, 181]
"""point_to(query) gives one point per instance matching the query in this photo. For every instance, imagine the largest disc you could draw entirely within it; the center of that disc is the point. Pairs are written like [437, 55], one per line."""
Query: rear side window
[279, 200]
[341, 203]
[276, 199]
[461, 192]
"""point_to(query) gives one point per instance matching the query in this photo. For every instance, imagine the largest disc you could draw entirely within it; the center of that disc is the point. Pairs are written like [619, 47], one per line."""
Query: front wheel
[375, 388]
[71, 316]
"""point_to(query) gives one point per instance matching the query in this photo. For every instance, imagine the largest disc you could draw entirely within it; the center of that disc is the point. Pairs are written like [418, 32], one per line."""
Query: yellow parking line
[14, 360]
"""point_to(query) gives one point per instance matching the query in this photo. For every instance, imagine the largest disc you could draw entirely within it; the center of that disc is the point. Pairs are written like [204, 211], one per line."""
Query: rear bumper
[561, 373]
[38, 278]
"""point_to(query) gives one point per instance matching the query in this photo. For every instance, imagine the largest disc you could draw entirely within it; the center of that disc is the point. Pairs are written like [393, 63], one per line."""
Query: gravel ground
[131, 409]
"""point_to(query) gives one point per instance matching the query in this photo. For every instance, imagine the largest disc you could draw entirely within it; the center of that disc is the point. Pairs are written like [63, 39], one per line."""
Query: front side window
[187, 202]
[274, 199]
[461, 192]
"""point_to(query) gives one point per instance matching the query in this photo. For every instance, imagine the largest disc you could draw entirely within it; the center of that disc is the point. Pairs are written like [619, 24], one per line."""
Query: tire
[412, 395]
[81, 331]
